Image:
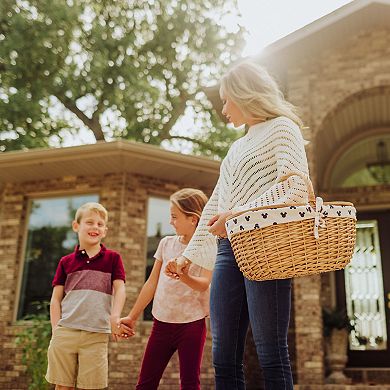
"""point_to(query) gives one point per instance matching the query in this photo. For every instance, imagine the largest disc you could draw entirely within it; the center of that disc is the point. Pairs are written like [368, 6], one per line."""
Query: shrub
[34, 340]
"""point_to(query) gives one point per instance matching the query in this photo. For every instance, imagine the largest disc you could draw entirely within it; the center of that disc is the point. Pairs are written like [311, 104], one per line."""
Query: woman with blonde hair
[250, 176]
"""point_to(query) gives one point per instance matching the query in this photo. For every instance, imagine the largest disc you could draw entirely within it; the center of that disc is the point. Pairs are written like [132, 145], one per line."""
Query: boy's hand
[115, 328]
[127, 327]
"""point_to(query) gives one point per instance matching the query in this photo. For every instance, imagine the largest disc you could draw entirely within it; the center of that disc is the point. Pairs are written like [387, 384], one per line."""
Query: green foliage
[122, 69]
[34, 340]
[335, 319]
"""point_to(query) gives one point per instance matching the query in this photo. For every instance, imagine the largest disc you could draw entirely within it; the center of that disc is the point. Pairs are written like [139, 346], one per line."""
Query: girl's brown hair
[189, 201]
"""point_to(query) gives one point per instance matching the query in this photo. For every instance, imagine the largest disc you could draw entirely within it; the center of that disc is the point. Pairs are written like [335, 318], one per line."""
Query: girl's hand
[176, 267]
[170, 269]
[127, 327]
[217, 224]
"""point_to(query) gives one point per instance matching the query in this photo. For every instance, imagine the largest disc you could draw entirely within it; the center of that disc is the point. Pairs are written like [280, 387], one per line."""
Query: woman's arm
[202, 247]
[198, 283]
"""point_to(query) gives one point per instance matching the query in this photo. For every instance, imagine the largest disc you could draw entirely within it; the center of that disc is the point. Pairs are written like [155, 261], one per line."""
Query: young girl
[180, 303]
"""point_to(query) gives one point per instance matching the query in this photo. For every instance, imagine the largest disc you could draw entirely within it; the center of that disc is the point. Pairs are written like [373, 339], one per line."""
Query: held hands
[177, 267]
[116, 329]
[217, 224]
[126, 327]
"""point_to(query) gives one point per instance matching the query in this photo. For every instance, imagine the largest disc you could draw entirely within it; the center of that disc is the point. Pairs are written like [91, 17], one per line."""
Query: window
[158, 226]
[364, 291]
[49, 237]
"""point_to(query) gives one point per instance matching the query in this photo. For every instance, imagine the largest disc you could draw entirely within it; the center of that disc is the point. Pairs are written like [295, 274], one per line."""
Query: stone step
[343, 387]
[369, 375]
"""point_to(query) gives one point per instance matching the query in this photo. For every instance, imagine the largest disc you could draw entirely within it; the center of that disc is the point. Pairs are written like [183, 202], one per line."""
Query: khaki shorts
[78, 357]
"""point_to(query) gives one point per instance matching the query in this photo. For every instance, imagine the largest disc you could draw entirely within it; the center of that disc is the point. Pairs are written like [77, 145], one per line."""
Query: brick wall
[318, 84]
[125, 196]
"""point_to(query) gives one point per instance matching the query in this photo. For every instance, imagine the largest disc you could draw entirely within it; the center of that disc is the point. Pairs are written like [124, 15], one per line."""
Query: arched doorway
[358, 120]
[353, 136]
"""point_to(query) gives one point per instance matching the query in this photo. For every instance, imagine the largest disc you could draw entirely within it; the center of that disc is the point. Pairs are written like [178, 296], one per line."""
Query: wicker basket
[290, 249]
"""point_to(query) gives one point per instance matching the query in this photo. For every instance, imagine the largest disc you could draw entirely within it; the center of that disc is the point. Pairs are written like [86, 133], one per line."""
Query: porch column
[308, 330]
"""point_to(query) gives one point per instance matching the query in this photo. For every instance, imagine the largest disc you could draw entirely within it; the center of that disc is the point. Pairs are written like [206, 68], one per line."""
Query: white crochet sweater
[248, 178]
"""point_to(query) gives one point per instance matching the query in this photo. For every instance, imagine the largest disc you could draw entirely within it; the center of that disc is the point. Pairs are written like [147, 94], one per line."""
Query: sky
[266, 21]
[269, 20]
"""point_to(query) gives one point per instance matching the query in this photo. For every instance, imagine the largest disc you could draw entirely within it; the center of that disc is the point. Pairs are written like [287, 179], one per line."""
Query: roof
[330, 30]
[107, 157]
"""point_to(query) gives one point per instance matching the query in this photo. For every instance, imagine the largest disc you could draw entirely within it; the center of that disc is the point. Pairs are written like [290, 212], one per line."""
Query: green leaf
[122, 69]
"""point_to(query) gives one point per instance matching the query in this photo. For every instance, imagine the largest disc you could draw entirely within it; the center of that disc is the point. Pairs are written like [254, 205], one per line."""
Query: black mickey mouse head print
[293, 207]
[302, 213]
[235, 220]
[339, 213]
[264, 215]
[242, 227]
[257, 226]
[247, 217]
[283, 214]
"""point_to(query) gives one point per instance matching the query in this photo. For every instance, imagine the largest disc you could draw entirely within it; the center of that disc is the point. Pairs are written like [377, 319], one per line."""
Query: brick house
[39, 190]
[337, 71]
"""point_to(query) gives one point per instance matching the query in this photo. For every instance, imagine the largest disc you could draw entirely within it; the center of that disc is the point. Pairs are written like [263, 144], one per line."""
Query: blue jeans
[234, 302]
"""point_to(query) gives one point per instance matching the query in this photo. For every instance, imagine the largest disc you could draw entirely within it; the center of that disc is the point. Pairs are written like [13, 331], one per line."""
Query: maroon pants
[165, 339]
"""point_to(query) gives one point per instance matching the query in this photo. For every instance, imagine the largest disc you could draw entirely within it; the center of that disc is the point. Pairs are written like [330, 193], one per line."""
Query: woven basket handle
[306, 179]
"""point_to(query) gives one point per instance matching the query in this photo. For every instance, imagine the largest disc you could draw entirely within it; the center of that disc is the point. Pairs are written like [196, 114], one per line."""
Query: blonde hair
[256, 93]
[189, 201]
[91, 206]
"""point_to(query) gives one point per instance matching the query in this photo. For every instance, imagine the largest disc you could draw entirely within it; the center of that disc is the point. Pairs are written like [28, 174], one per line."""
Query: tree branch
[179, 110]
[196, 141]
[92, 123]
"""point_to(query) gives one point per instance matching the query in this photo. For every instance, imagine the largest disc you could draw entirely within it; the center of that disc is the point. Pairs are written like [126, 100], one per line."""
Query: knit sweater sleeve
[289, 157]
[202, 249]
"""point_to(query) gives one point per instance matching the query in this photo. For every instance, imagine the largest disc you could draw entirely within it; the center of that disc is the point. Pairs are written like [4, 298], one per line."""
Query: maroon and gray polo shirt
[88, 288]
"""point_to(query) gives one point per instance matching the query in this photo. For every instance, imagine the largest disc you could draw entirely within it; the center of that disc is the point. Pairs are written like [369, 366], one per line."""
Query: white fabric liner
[258, 219]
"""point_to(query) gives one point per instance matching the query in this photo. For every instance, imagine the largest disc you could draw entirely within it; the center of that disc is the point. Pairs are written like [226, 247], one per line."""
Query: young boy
[82, 312]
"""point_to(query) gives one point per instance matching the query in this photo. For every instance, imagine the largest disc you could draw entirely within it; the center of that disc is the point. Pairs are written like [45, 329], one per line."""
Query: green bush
[335, 319]
[34, 340]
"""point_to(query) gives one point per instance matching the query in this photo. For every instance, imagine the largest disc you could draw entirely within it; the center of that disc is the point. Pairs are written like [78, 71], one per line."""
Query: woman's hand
[176, 267]
[217, 224]
[170, 269]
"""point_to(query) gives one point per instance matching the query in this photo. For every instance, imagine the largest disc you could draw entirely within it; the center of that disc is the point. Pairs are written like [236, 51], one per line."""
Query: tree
[125, 69]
